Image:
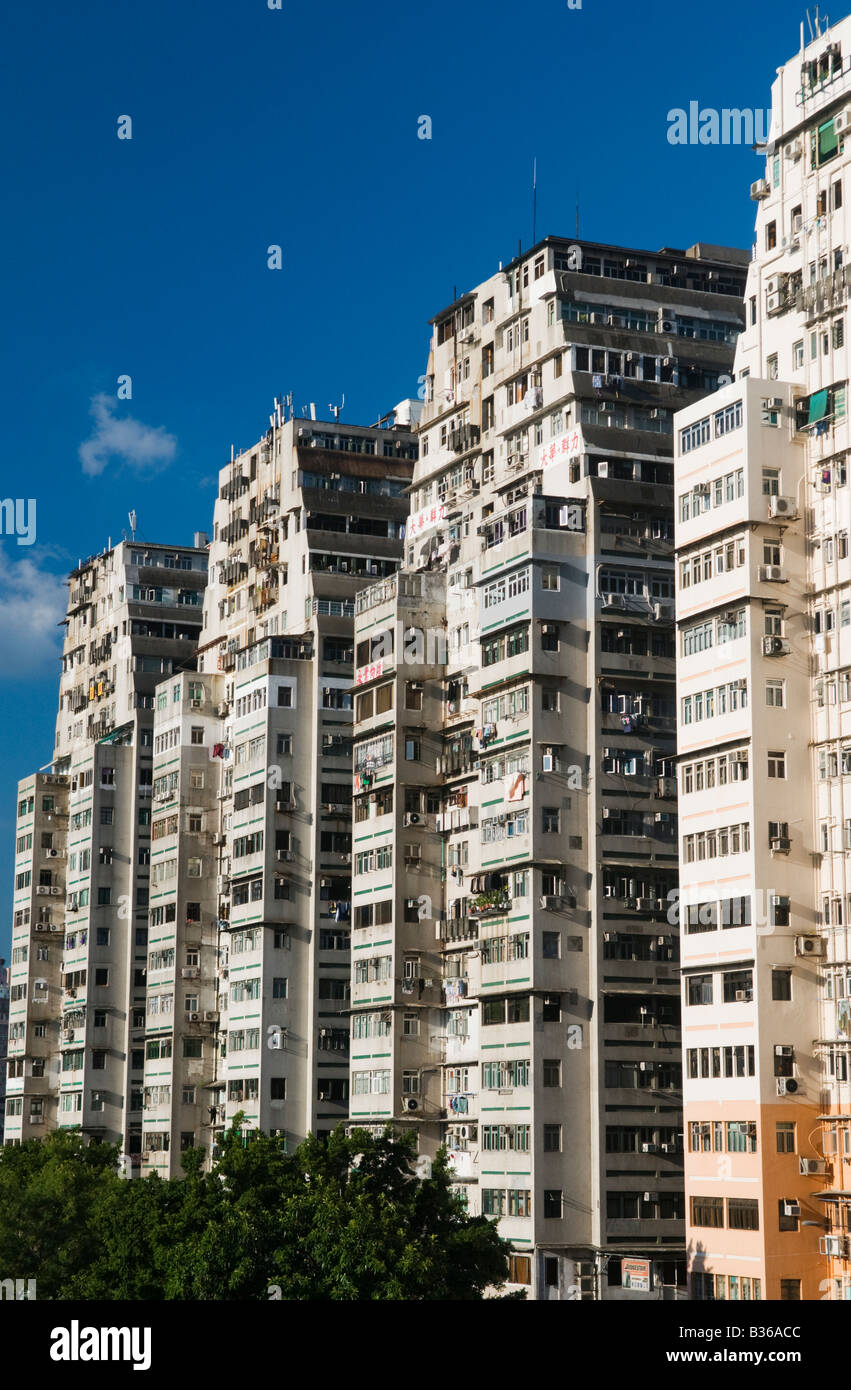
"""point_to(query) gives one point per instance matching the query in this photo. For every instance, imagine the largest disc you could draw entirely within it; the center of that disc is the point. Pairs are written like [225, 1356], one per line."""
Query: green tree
[49, 1192]
[337, 1220]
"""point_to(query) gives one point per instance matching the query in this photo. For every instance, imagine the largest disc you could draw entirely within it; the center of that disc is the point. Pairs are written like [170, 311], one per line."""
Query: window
[781, 984]
[790, 1289]
[777, 764]
[785, 1131]
[775, 693]
[707, 1211]
[553, 1202]
[552, 1138]
[551, 1073]
[550, 819]
[551, 943]
[742, 1214]
[699, 989]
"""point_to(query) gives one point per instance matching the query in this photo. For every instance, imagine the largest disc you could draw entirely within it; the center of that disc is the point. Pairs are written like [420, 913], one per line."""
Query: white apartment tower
[515, 981]
[82, 852]
[764, 710]
[248, 965]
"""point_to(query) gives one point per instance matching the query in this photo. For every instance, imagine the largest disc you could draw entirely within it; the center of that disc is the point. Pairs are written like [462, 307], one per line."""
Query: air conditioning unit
[68, 1035]
[842, 122]
[284, 856]
[211, 1015]
[223, 709]
[793, 150]
[836, 1247]
[786, 1085]
[285, 805]
[809, 946]
[771, 574]
[649, 1149]
[663, 612]
[785, 508]
[775, 284]
[194, 1017]
[812, 1167]
[412, 818]
[52, 853]
[743, 996]
[410, 1103]
[603, 469]
[195, 704]
[760, 189]
[56, 891]
[644, 904]
[190, 972]
[791, 1208]
[42, 888]
[662, 817]
[775, 646]
[666, 786]
[781, 844]
[548, 762]
[549, 903]
[651, 1197]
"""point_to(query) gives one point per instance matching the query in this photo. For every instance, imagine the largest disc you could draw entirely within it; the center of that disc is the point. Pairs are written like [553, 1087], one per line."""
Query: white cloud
[127, 440]
[32, 602]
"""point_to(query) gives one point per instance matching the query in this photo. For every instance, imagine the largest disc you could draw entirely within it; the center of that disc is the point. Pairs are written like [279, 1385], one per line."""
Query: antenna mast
[534, 199]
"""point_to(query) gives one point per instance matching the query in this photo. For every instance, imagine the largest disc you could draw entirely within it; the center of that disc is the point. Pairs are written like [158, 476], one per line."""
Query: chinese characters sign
[426, 519]
[369, 673]
[565, 446]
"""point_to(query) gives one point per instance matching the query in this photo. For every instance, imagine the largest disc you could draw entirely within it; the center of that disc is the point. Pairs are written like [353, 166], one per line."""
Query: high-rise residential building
[515, 988]
[764, 690]
[83, 849]
[4, 1039]
[248, 949]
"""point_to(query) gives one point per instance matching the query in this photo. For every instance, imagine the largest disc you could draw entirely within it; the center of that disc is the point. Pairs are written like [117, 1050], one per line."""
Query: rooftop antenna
[534, 200]
[131, 517]
[337, 408]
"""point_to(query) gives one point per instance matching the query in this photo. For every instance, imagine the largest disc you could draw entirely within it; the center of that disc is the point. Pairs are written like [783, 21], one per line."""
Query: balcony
[490, 904]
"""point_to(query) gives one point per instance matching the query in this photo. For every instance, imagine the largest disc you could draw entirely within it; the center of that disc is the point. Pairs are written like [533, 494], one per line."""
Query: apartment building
[4, 1039]
[83, 849]
[248, 964]
[764, 752]
[515, 989]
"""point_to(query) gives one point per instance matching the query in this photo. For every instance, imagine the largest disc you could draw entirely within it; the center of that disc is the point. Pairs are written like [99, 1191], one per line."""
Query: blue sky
[297, 127]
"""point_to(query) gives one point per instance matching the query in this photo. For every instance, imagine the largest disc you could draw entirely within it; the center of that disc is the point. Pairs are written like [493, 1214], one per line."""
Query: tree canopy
[339, 1219]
